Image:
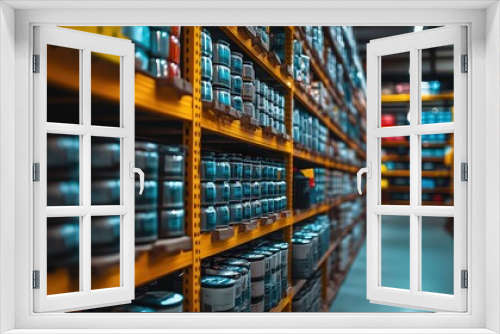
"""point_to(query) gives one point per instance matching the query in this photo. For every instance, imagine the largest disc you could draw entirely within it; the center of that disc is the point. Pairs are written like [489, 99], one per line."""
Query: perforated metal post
[192, 140]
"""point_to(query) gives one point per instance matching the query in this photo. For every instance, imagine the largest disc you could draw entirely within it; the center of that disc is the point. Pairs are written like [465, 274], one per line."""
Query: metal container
[257, 86]
[256, 191]
[207, 166]
[174, 50]
[236, 194]
[221, 76]
[173, 194]
[217, 294]
[248, 72]
[208, 193]
[139, 35]
[149, 197]
[236, 213]
[236, 166]
[161, 301]
[247, 190]
[206, 43]
[206, 68]
[258, 302]
[236, 85]
[173, 160]
[249, 109]
[264, 88]
[171, 223]
[301, 258]
[257, 169]
[146, 226]
[237, 102]
[223, 215]
[270, 188]
[239, 284]
[257, 263]
[222, 95]
[265, 206]
[256, 209]
[247, 169]
[158, 67]
[147, 158]
[248, 92]
[222, 192]
[222, 167]
[236, 63]
[263, 189]
[208, 219]
[206, 91]
[160, 43]
[270, 205]
[221, 53]
[247, 211]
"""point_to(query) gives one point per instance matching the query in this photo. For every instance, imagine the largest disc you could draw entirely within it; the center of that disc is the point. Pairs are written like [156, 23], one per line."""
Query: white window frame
[85, 43]
[413, 44]
[15, 51]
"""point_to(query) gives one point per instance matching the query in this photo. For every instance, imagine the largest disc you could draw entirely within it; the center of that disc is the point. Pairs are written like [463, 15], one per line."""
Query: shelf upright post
[288, 230]
[192, 140]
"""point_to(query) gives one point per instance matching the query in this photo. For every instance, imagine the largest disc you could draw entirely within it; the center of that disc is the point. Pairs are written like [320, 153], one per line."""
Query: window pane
[105, 171]
[437, 169]
[395, 83]
[437, 254]
[395, 249]
[63, 255]
[105, 253]
[63, 170]
[105, 81]
[395, 171]
[437, 85]
[63, 85]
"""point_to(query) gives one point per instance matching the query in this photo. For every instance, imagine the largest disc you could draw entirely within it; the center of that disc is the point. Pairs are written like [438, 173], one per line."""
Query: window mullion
[415, 80]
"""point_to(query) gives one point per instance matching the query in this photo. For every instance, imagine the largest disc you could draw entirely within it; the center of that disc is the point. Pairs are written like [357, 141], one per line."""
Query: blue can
[264, 205]
[173, 194]
[221, 76]
[139, 35]
[206, 68]
[236, 63]
[208, 193]
[236, 191]
[158, 67]
[237, 102]
[222, 192]
[236, 85]
[146, 226]
[172, 223]
[222, 95]
[141, 59]
[235, 162]
[208, 219]
[160, 42]
[206, 43]
[221, 53]
[247, 211]
[206, 91]
[223, 215]
[247, 190]
[207, 166]
[236, 212]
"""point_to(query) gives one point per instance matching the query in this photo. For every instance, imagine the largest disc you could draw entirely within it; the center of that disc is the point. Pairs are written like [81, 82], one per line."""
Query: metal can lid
[236, 54]
[217, 282]
[253, 257]
[160, 299]
[223, 42]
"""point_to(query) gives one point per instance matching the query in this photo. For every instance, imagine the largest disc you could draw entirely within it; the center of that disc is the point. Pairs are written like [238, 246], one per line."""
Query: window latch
[368, 171]
[134, 170]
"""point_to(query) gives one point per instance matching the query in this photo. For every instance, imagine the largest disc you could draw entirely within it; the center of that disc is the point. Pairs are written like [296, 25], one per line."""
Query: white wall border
[477, 18]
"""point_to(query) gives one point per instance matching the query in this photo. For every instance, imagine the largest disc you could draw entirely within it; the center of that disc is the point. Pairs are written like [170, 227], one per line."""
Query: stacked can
[206, 66]
[172, 162]
[146, 205]
[246, 188]
[269, 107]
[208, 176]
[236, 189]
[278, 45]
[309, 297]
[221, 79]
[237, 81]
[248, 91]
[157, 49]
[222, 188]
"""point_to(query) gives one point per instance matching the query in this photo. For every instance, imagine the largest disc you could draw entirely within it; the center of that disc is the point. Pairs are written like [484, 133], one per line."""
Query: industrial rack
[389, 99]
[167, 101]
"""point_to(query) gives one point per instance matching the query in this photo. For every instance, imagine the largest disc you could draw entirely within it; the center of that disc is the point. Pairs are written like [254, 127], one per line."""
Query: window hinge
[464, 171]
[36, 63]
[36, 279]
[36, 172]
[465, 279]
[465, 64]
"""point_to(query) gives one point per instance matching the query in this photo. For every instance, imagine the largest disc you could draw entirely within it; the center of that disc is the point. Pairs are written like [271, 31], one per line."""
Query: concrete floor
[437, 265]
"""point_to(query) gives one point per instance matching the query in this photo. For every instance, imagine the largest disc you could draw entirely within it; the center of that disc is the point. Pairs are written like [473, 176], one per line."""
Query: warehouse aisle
[352, 294]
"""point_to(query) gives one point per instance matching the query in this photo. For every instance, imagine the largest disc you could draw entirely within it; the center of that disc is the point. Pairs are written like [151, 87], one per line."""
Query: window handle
[135, 170]
[368, 171]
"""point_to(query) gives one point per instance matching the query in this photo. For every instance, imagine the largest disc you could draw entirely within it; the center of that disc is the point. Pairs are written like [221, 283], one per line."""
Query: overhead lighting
[418, 28]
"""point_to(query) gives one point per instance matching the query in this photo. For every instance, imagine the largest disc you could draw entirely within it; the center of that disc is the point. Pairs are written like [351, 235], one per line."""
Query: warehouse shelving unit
[395, 99]
[164, 99]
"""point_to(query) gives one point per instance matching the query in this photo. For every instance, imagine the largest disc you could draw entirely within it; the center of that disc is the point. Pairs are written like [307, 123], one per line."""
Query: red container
[388, 120]
[174, 54]
[176, 31]
[174, 70]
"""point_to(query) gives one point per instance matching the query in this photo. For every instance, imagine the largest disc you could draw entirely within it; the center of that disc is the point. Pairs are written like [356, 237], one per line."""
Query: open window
[72, 205]
[415, 214]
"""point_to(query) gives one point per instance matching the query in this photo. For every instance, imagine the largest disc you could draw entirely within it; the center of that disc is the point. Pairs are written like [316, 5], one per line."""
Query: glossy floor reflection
[439, 243]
